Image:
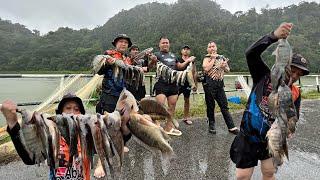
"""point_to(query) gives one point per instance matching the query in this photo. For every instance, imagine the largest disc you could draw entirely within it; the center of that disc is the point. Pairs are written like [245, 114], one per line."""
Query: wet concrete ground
[201, 155]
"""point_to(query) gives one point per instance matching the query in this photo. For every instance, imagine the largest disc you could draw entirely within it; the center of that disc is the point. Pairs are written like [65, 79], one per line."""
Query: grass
[4, 138]
[314, 94]
[198, 106]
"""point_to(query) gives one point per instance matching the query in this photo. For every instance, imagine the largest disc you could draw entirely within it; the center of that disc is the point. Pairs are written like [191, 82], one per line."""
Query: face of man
[71, 107]
[185, 52]
[212, 48]
[134, 51]
[122, 45]
[164, 45]
[295, 74]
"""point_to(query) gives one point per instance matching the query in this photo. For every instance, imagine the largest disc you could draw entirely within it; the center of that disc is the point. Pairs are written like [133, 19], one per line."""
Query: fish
[142, 54]
[149, 133]
[163, 71]
[278, 133]
[31, 138]
[283, 55]
[96, 133]
[53, 141]
[85, 139]
[179, 77]
[73, 136]
[127, 100]
[287, 106]
[173, 76]
[116, 138]
[277, 144]
[152, 107]
[98, 62]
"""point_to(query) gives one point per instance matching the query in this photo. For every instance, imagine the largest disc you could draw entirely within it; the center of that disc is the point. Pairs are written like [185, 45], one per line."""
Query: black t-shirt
[168, 59]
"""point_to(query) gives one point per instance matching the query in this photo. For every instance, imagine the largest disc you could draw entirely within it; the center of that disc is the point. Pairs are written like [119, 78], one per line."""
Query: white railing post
[61, 86]
[317, 83]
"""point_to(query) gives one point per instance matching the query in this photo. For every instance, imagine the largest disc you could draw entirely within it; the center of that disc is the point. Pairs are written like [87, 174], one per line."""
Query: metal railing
[151, 79]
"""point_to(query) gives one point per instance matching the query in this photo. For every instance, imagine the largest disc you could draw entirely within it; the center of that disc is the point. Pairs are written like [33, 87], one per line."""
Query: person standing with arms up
[214, 67]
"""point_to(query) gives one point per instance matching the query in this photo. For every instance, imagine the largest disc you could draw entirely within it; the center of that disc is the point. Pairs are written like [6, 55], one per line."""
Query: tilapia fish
[32, 139]
[149, 133]
[283, 55]
[277, 135]
[287, 107]
[277, 142]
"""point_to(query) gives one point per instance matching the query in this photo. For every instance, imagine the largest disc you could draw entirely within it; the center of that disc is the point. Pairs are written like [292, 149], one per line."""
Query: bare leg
[161, 98]
[244, 174]
[267, 169]
[172, 101]
[186, 108]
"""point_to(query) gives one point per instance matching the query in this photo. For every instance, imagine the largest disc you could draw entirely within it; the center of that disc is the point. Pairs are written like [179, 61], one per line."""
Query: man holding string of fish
[70, 104]
[253, 141]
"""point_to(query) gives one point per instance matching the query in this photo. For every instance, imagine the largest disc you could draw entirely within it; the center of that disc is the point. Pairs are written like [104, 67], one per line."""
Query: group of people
[249, 145]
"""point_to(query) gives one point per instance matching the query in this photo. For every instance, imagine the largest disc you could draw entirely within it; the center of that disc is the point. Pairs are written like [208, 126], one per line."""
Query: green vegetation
[314, 94]
[198, 106]
[4, 138]
[186, 22]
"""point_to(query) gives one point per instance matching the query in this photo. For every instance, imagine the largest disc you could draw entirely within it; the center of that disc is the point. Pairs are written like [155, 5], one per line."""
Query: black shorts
[246, 154]
[166, 89]
[185, 90]
[107, 103]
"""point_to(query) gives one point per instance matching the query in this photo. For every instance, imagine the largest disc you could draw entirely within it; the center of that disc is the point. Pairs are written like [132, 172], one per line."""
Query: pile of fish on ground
[95, 133]
[175, 76]
[281, 104]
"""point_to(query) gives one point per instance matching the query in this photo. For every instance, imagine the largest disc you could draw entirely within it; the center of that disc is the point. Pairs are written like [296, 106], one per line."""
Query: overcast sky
[49, 15]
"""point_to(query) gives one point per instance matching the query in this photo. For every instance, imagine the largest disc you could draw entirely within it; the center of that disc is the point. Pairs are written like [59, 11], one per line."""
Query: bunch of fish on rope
[180, 77]
[281, 105]
[131, 74]
[98, 133]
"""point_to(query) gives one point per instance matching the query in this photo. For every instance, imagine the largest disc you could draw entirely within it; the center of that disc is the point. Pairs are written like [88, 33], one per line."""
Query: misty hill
[189, 22]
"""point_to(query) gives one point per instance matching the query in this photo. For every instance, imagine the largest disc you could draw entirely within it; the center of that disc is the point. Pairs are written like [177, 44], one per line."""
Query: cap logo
[303, 60]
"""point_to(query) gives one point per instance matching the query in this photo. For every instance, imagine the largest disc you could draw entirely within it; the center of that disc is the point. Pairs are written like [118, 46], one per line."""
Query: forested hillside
[186, 22]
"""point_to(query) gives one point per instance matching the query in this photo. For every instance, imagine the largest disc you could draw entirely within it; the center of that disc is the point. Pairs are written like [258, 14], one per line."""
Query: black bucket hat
[186, 47]
[300, 62]
[134, 47]
[121, 36]
[70, 97]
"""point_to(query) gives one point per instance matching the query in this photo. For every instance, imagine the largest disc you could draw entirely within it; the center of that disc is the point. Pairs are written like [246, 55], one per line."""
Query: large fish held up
[281, 105]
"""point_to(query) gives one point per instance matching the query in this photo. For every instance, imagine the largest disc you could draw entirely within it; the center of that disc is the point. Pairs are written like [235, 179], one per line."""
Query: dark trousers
[216, 93]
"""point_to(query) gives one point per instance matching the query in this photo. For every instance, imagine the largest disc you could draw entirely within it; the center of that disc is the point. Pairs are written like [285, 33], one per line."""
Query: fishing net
[79, 84]
[246, 88]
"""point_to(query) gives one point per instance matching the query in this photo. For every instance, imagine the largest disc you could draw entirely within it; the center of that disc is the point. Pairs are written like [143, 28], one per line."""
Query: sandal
[234, 130]
[187, 121]
[174, 132]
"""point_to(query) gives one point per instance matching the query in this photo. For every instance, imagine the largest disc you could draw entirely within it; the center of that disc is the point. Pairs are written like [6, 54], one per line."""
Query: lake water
[38, 89]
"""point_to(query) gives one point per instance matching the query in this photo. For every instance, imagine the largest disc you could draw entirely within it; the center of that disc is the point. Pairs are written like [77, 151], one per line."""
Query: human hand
[9, 110]
[283, 31]
[111, 60]
[191, 59]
